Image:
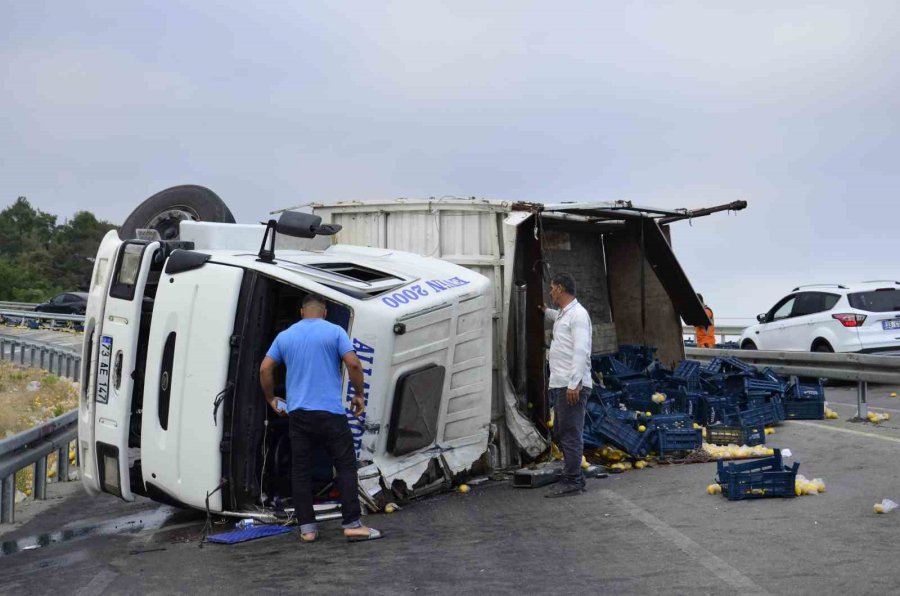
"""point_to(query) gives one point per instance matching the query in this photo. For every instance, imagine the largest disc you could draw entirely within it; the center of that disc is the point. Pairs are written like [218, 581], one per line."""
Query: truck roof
[358, 271]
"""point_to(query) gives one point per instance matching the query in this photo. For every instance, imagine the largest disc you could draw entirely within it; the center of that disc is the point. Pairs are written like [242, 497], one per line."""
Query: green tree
[73, 248]
[24, 229]
[39, 259]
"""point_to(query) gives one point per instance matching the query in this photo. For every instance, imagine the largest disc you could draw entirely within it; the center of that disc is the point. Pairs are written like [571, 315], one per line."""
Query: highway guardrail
[64, 362]
[861, 368]
[4, 305]
[31, 448]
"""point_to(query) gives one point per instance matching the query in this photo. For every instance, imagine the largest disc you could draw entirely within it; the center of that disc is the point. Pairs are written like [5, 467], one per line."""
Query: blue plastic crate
[712, 409]
[648, 405]
[670, 421]
[607, 428]
[713, 366]
[806, 388]
[804, 409]
[734, 364]
[736, 435]
[777, 405]
[766, 477]
[751, 417]
[638, 388]
[669, 440]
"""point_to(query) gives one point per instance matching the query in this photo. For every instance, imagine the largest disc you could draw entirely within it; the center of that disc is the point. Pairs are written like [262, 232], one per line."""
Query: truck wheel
[748, 345]
[165, 210]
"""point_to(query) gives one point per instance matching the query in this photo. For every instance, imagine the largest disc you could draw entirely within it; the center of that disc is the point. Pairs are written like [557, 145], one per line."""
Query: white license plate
[890, 324]
[103, 369]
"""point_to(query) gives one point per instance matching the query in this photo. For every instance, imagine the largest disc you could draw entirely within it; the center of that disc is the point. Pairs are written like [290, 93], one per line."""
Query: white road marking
[99, 584]
[849, 431]
[722, 570]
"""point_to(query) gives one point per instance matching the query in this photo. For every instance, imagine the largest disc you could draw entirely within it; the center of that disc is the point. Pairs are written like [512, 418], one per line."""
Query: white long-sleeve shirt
[570, 350]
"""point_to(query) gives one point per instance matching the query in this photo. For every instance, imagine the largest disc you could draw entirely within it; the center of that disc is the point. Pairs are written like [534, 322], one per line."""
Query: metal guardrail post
[8, 499]
[77, 376]
[62, 464]
[862, 408]
[39, 486]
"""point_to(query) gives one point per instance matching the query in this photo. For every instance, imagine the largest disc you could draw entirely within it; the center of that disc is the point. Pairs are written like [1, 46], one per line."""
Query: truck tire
[167, 208]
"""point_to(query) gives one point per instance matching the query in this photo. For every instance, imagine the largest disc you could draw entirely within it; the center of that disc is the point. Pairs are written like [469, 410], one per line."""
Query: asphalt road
[654, 530]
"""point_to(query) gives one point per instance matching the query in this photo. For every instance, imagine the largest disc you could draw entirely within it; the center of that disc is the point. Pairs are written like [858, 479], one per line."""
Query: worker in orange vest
[706, 336]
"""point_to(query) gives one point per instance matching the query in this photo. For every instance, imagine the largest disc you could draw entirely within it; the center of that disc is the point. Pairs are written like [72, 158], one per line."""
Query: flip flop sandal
[310, 541]
[372, 535]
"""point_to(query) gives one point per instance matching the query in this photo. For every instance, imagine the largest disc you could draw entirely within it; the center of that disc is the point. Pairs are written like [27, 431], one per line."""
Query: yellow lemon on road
[463, 488]
[390, 508]
[893, 394]
[642, 428]
[879, 508]
[640, 465]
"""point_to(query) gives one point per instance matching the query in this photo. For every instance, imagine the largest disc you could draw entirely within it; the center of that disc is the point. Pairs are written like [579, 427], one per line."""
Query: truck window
[127, 268]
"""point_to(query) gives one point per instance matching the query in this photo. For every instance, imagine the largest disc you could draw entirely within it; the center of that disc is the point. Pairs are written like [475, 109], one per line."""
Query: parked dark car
[70, 303]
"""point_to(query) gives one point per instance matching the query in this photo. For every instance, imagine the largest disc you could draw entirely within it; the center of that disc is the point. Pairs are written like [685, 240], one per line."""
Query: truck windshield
[885, 300]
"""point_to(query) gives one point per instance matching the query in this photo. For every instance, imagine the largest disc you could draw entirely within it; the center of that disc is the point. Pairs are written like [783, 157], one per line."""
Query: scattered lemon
[463, 488]
[893, 394]
[770, 430]
[879, 508]
[648, 414]
[584, 463]
[714, 489]
[642, 428]
[697, 426]
[390, 508]
[640, 465]
[550, 423]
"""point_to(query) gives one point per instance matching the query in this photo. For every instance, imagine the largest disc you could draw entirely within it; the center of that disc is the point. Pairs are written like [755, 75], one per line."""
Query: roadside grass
[21, 408]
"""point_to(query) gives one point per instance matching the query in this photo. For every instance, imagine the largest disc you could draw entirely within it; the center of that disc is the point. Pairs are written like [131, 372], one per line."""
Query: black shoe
[569, 490]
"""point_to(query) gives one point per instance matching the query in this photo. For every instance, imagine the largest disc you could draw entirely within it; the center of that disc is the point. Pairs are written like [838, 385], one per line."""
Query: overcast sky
[669, 104]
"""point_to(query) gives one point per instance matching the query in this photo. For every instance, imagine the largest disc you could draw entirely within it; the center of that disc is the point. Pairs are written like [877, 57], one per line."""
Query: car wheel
[823, 346]
[748, 345]
[165, 210]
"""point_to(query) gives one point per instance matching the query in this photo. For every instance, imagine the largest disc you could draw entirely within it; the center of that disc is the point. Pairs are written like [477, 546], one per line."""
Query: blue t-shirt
[312, 350]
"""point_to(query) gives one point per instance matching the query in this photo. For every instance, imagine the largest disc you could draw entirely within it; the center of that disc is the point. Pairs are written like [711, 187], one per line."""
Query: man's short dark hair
[565, 281]
[313, 299]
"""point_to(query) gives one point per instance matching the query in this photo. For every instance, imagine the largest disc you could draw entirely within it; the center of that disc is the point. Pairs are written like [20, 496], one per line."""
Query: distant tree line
[39, 258]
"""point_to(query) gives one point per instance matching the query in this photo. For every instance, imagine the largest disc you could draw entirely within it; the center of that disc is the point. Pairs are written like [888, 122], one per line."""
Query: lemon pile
[830, 414]
[802, 486]
[736, 452]
[875, 417]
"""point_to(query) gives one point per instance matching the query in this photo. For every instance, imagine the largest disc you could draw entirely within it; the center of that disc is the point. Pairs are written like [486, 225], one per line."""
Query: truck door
[186, 375]
[116, 354]
[93, 319]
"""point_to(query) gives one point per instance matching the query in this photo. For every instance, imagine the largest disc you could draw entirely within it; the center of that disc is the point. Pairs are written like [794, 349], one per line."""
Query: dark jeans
[568, 430]
[332, 431]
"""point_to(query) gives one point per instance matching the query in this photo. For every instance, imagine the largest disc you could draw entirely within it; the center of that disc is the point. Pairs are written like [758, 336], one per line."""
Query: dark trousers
[569, 432]
[308, 428]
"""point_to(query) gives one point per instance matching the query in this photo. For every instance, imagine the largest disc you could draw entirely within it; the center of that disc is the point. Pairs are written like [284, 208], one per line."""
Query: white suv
[863, 317]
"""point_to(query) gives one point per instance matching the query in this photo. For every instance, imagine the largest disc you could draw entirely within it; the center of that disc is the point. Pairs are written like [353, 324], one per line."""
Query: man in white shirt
[570, 378]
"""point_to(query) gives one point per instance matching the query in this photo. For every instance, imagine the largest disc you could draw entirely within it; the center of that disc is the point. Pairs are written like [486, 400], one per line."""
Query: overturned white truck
[437, 297]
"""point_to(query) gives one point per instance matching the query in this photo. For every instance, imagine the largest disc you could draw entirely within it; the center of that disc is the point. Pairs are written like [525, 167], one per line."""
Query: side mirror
[761, 318]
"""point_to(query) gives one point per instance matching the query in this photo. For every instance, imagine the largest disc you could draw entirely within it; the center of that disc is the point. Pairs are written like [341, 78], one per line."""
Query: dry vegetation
[21, 408]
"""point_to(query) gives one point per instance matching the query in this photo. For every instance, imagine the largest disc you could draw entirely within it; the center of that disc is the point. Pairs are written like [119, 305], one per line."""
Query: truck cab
[171, 406]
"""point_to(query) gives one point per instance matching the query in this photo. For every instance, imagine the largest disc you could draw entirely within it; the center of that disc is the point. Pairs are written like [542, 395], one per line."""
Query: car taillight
[850, 319]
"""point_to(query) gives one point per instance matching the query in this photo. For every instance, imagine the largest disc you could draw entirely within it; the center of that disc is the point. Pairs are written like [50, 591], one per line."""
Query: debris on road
[802, 486]
[886, 506]
[876, 417]
[640, 408]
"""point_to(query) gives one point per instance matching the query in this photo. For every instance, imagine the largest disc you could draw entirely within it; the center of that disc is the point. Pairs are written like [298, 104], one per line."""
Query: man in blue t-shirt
[313, 349]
